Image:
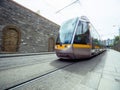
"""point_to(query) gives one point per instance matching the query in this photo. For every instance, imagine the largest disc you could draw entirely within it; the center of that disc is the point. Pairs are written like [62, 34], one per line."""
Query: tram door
[51, 44]
[10, 40]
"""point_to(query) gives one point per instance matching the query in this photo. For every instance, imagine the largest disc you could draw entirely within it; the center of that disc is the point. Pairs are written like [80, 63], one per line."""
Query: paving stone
[108, 84]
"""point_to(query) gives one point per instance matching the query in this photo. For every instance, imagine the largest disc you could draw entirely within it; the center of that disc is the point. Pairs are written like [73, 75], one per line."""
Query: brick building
[24, 31]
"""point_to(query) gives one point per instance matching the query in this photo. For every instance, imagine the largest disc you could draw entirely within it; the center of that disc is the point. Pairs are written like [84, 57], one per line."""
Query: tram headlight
[68, 46]
[62, 47]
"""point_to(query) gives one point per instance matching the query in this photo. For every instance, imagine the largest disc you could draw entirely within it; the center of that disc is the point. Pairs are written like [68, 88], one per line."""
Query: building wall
[35, 29]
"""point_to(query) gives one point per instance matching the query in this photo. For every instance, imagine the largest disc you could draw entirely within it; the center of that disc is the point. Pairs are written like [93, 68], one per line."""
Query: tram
[77, 38]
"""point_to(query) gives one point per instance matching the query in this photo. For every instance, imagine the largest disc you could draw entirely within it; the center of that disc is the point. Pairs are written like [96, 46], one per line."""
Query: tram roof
[84, 18]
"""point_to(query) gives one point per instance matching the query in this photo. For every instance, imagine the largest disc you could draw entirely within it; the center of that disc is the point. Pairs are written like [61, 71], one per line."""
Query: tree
[116, 40]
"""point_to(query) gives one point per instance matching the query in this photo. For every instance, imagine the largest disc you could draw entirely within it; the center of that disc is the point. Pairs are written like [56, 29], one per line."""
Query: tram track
[38, 77]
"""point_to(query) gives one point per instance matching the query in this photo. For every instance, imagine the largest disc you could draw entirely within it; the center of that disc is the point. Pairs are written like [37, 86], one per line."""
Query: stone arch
[51, 44]
[10, 38]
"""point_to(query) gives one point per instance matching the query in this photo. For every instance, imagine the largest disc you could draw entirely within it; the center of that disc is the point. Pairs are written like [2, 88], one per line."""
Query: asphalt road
[46, 72]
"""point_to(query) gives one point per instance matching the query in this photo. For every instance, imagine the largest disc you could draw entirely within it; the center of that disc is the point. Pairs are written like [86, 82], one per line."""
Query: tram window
[81, 37]
[85, 27]
[95, 36]
[96, 42]
[79, 31]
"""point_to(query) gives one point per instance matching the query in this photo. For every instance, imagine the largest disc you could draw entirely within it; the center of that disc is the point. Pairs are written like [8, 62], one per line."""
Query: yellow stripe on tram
[97, 47]
[81, 46]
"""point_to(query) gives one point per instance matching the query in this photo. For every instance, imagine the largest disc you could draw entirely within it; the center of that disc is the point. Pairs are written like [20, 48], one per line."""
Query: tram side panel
[81, 43]
[95, 40]
[81, 50]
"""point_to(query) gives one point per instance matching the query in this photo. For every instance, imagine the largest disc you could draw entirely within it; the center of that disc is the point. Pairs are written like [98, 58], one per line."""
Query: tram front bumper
[65, 54]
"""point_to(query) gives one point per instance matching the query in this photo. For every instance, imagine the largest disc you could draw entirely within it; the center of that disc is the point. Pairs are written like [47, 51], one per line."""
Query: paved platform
[110, 79]
[101, 72]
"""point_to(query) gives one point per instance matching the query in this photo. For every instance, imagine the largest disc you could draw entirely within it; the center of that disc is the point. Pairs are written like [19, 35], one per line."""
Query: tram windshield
[66, 31]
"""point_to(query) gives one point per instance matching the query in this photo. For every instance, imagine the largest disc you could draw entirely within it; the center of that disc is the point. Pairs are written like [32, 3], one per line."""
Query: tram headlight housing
[62, 47]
